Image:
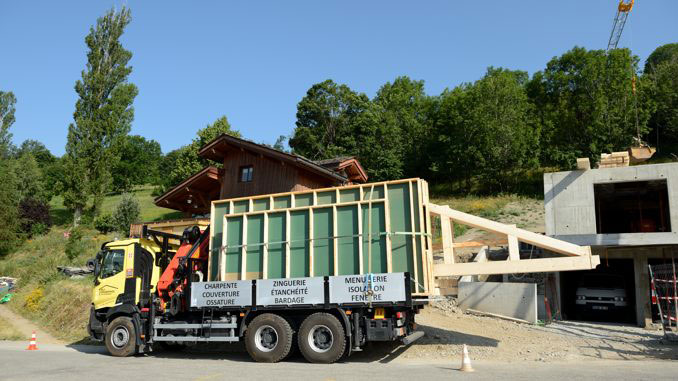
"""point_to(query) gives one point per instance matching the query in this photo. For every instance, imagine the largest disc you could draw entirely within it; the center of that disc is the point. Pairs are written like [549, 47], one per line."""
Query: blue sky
[253, 61]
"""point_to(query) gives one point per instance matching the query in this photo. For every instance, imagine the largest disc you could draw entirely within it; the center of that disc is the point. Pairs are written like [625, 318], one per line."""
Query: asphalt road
[57, 362]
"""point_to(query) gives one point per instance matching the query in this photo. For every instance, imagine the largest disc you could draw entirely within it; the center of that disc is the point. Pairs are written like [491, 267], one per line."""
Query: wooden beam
[287, 243]
[335, 246]
[210, 254]
[490, 243]
[387, 224]
[264, 248]
[243, 271]
[361, 238]
[515, 267]
[222, 252]
[425, 215]
[413, 237]
[535, 239]
[310, 241]
[448, 240]
[513, 248]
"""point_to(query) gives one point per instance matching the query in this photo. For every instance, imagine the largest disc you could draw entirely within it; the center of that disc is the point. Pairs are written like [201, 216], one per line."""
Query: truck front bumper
[95, 327]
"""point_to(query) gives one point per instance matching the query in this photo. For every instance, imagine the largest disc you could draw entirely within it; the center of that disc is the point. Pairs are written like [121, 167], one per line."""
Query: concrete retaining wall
[515, 300]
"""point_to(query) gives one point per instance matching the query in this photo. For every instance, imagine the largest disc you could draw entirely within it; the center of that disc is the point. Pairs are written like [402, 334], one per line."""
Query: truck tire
[322, 338]
[121, 337]
[268, 338]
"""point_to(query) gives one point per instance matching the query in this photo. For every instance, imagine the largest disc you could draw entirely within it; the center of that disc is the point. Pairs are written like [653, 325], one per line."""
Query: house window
[632, 207]
[246, 174]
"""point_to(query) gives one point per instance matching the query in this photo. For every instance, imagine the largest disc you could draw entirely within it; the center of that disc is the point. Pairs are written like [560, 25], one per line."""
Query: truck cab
[125, 279]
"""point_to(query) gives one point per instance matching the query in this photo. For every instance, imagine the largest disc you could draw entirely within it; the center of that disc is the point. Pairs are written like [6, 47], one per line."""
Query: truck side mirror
[95, 264]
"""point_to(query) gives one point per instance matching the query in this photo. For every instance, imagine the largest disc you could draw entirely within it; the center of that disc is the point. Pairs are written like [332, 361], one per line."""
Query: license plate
[600, 308]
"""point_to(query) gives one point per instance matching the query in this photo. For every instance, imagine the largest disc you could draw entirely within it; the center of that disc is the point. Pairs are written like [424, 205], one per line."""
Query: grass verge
[8, 332]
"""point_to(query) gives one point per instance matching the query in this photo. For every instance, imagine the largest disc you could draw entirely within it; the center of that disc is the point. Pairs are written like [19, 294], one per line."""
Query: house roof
[194, 194]
[348, 165]
[217, 148]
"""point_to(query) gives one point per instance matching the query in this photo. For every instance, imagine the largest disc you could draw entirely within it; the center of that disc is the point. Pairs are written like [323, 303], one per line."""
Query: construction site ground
[489, 338]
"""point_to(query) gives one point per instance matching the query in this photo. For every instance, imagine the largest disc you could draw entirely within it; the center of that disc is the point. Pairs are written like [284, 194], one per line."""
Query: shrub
[75, 245]
[126, 213]
[32, 301]
[105, 223]
[34, 216]
[39, 229]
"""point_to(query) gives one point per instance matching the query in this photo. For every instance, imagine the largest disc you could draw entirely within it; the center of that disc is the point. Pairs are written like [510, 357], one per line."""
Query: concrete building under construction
[628, 215]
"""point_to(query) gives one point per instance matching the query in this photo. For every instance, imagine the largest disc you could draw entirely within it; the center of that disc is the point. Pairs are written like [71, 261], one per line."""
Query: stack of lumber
[614, 159]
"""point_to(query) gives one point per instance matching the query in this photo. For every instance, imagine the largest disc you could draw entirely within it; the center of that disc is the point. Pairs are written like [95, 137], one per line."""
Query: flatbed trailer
[325, 270]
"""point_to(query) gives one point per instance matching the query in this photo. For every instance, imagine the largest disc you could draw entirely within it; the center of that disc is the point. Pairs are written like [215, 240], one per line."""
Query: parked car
[601, 293]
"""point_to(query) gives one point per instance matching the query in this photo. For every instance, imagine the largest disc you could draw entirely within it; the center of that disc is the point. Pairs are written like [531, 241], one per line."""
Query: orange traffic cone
[465, 361]
[32, 346]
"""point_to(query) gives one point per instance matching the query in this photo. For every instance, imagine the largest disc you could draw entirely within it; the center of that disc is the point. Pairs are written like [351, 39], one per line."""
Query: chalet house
[251, 169]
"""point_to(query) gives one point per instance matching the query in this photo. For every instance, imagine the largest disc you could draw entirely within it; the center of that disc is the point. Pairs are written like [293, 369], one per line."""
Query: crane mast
[623, 11]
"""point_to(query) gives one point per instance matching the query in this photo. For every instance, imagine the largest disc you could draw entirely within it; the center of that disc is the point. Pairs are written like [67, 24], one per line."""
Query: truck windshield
[112, 263]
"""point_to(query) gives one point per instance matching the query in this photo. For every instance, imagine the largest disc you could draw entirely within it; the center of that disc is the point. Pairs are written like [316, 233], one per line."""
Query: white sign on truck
[272, 292]
[354, 288]
[236, 293]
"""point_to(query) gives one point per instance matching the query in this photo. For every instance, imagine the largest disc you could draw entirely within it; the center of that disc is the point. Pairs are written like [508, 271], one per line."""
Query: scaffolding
[665, 296]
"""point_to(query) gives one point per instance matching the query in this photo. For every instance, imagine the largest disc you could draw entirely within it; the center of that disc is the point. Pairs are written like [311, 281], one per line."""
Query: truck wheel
[121, 337]
[322, 338]
[268, 338]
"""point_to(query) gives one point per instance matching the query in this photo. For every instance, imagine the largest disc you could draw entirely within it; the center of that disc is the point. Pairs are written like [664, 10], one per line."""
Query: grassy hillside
[149, 212]
[524, 212]
[54, 301]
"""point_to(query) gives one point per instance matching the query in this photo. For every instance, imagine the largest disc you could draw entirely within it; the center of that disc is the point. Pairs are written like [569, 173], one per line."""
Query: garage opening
[605, 294]
[632, 207]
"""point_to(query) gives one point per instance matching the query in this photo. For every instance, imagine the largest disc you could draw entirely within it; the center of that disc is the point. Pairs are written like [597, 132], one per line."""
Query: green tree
[280, 143]
[53, 176]
[664, 53]
[485, 131]
[29, 179]
[585, 105]
[405, 110]
[507, 139]
[327, 119]
[7, 109]
[38, 150]
[138, 162]
[184, 162]
[333, 120]
[9, 205]
[127, 212]
[660, 88]
[103, 113]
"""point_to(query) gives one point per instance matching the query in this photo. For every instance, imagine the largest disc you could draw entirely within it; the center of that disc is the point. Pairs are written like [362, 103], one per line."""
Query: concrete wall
[570, 204]
[516, 300]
